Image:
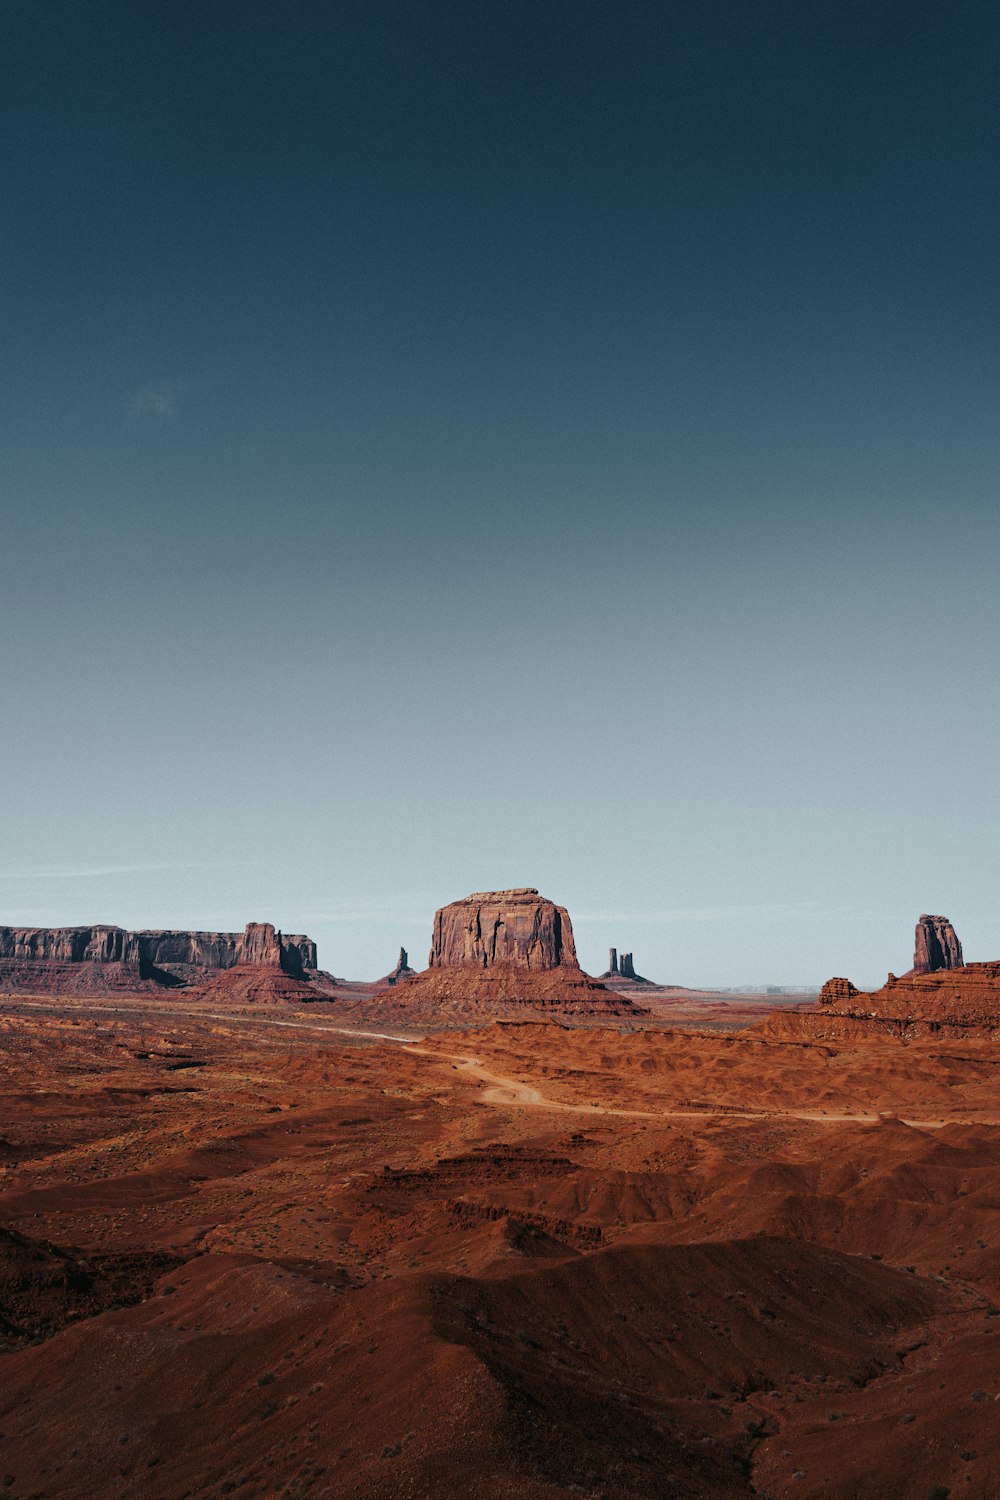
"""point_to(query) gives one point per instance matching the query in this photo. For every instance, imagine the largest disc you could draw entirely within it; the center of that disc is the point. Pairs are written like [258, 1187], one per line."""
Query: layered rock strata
[494, 953]
[936, 947]
[81, 958]
[518, 928]
[963, 1002]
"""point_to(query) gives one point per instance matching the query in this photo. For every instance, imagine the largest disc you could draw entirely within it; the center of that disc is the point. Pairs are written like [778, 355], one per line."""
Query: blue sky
[449, 447]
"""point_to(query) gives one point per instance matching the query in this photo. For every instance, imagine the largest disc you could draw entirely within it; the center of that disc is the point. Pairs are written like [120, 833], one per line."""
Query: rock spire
[937, 946]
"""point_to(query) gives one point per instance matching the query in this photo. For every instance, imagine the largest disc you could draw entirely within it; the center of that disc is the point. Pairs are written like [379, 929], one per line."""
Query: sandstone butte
[82, 958]
[490, 928]
[495, 950]
[936, 947]
[623, 969]
[941, 995]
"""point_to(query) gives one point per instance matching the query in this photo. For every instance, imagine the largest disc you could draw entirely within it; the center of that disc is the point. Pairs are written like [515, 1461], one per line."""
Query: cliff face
[155, 954]
[501, 954]
[516, 928]
[962, 1002]
[937, 946]
[259, 943]
[69, 945]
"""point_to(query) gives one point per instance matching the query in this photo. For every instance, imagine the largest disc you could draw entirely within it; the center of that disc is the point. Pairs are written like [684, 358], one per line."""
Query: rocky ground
[244, 1252]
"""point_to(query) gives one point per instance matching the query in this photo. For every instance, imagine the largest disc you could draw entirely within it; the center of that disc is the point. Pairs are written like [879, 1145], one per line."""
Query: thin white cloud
[95, 872]
[159, 400]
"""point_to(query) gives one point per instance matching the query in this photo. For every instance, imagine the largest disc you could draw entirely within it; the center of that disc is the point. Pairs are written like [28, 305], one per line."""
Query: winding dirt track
[500, 1089]
[506, 1091]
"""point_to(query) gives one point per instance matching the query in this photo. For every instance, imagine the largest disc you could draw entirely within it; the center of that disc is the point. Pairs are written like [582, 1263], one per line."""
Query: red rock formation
[48, 956]
[516, 927]
[462, 992]
[623, 969]
[69, 945]
[259, 943]
[260, 984]
[937, 946]
[949, 1002]
[495, 953]
[837, 992]
[401, 971]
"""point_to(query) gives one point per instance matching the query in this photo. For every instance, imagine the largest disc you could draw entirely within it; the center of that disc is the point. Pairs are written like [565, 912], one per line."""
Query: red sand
[246, 1253]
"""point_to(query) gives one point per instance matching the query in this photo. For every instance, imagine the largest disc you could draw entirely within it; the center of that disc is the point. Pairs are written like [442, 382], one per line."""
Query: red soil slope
[449, 995]
[254, 1255]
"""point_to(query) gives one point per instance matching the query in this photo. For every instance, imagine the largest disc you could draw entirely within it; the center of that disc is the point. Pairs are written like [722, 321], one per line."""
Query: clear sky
[452, 446]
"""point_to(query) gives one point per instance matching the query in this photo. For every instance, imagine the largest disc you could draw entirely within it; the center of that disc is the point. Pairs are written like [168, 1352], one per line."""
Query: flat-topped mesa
[160, 955]
[259, 943]
[937, 946]
[69, 945]
[514, 929]
[495, 953]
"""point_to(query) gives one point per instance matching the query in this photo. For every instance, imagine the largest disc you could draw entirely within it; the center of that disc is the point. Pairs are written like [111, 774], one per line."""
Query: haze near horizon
[453, 448]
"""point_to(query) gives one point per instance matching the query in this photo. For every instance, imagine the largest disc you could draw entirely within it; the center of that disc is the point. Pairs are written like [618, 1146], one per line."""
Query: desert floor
[266, 1253]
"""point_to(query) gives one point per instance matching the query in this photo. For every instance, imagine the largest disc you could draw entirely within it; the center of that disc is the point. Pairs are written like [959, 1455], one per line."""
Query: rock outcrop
[69, 945]
[516, 928]
[937, 946]
[940, 996]
[48, 957]
[401, 971]
[623, 969]
[837, 992]
[963, 1002]
[259, 943]
[495, 953]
